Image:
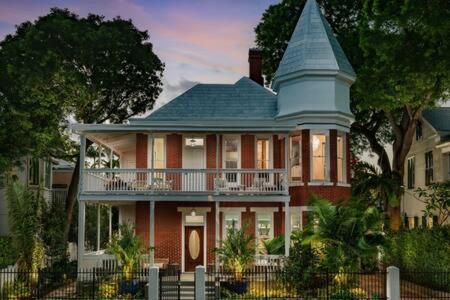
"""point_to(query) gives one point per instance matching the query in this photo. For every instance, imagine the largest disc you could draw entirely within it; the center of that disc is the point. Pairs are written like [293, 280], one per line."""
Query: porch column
[98, 227]
[287, 229]
[152, 161]
[286, 163]
[152, 233]
[217, 212]
[111, 157]
[81, 230]
[110, 223]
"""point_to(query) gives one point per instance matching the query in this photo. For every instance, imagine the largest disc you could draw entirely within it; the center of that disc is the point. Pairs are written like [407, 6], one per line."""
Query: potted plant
[236, 253]
[128, 248]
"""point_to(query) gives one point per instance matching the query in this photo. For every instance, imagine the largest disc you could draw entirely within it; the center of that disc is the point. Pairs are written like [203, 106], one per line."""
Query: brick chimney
[255, 65]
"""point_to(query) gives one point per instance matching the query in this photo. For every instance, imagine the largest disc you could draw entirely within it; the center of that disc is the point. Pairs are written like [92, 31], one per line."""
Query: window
[264, 230]
[231, 220]
[296, 220]
[341, 171]
[48, 174]
[319, 157]
[411, 167]
[418, 130]
[428, 167]
[159, 150]
[33, 171]
[262, 153]
[295, 158]
[231, 145]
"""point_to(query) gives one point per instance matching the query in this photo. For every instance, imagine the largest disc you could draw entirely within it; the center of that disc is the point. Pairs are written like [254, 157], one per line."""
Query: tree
[400, 52]
[103, 71]
[437, 200]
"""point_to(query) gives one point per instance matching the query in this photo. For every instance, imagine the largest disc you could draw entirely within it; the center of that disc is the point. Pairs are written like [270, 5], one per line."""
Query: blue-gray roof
[243, 100]
[313, 46]
[439, 118]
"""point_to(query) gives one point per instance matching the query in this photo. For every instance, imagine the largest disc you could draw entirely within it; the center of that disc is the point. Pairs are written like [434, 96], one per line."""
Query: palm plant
[24, 208]
[346, 234]
[128, 249]
[237, 251]
[275, 246]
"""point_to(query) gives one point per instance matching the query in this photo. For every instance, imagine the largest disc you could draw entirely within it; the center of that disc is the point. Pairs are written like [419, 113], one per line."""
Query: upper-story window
[231, 145]
[319, 145]
[33, 171]
[411, 170]
[295, 158]
[418, 130]
[262, 153]
[429, 176]
[159, 153]
[341, 170]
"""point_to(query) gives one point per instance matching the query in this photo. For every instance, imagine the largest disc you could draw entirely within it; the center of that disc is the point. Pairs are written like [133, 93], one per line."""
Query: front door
[193, 247]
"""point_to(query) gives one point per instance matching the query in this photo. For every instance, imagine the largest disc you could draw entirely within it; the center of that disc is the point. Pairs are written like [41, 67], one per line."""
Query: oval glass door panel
[194, 244]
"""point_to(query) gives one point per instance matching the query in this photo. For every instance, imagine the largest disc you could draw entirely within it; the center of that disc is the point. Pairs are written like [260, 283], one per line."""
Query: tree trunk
[72, 195]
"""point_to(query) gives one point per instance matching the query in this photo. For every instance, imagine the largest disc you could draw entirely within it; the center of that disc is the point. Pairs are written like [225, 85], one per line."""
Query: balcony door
[193, 160]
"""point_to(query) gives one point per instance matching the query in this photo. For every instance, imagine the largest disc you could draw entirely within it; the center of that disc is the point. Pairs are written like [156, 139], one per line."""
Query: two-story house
[222, 155]
[428, 161]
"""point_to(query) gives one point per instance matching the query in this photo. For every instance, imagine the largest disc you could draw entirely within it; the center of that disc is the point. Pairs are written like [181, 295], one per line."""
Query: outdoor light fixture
[193, 212]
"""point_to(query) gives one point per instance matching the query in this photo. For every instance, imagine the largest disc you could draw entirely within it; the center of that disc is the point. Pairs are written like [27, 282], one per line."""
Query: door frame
[200, 211]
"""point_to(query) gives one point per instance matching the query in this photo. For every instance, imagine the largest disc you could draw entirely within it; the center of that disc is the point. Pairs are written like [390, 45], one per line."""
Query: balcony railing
[165, 181]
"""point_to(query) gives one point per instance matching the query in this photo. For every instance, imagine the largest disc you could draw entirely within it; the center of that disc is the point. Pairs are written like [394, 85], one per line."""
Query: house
[428, 161]
[53, 176]
[223, 155]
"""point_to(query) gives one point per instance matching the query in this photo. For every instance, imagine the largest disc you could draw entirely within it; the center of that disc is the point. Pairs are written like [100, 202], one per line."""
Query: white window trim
[327, 180]
[231, 210]
[265, 210]
[344, 158]
[299, 210]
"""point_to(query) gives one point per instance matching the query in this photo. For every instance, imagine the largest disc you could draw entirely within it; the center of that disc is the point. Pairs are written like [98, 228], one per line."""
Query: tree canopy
[62, 67]
[400, 53]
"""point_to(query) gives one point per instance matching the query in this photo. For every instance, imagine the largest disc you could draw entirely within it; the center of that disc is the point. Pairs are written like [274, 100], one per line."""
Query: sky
[198, 40]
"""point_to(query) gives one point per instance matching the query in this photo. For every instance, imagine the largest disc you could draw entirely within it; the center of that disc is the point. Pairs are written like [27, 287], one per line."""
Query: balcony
[185, 181]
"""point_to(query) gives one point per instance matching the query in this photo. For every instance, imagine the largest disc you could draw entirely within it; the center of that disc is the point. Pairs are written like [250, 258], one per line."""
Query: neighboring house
[223, 155]
[428, 161]
[35, 173]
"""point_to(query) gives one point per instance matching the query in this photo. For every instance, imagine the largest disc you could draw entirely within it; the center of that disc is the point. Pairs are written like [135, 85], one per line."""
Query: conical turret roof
[312, 47]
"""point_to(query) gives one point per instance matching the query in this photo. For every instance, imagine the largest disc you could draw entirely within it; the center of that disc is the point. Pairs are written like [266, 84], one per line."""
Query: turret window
[319, 145]
[295, 158]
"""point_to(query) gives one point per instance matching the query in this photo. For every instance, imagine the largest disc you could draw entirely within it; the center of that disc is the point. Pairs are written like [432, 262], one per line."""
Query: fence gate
[170, 284]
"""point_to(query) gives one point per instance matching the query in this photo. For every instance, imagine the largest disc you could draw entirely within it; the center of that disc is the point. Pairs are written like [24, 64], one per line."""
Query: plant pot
[237, 287]
[129, 287]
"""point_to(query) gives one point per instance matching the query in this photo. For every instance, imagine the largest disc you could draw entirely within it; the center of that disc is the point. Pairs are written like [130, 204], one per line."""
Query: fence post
[93, 283]
[265, 282]
[200, 283]
[393, 283]
[153, 283]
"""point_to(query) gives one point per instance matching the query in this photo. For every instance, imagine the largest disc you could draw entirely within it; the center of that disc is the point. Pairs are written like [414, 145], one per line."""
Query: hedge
[7, 254]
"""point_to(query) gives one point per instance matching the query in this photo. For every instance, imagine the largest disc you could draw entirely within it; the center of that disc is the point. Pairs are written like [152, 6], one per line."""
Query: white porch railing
[222, 181]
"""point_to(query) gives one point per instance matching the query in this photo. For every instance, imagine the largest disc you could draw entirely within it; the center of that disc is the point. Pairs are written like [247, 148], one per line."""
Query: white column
[111, 157]
[152, 161]
[200, 283]
[110, 223]
[153, 284]
[217, 212]
[287, 228]
[152, 233]
[286, 163]
[98, 227]
[393, 283]
[81, 231]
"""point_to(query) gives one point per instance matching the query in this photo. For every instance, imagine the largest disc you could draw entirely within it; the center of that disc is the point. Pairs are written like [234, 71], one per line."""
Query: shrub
[420, 250]
[8, 255]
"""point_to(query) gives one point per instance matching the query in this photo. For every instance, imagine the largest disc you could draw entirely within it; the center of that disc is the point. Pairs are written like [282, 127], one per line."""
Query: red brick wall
[248, 151]
[143, 220]
[141, 150]
[168, 231]
[277, 162]
[300, 195]
[211, 158]
[174, 158]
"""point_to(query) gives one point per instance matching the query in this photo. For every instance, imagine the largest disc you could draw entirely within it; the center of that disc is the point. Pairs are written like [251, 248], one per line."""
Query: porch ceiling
[119, 142]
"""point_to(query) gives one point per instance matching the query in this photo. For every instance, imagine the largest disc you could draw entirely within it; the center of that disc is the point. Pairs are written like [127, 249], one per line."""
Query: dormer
[314, 76]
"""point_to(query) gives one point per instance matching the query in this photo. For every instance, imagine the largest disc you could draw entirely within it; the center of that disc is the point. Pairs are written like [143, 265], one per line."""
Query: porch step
[169, 290]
